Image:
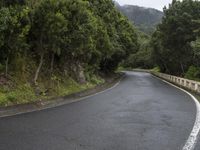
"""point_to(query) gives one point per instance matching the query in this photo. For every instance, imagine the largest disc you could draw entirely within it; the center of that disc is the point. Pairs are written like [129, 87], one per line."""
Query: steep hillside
[144, 18]
[51, 48]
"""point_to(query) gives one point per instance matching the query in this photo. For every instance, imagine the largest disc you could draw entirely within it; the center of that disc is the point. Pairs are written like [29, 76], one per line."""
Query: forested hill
[46, 43]
[145, 19]
[174, 47]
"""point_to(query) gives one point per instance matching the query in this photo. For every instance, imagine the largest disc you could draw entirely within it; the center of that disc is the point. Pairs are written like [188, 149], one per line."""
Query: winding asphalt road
[141, 113]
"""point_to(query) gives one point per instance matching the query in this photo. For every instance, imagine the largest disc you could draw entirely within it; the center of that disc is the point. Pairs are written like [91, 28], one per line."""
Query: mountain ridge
[144, 18]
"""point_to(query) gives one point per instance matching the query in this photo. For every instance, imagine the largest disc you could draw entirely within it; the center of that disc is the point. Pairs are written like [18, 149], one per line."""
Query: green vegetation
[193, 73]
[175, 43]
[145, 19]
[50, 48]
[155, 69]
[143, 57]
[22, 92]
[174, 47]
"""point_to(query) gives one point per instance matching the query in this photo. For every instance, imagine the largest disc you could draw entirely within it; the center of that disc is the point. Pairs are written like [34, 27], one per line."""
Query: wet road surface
[141, 113]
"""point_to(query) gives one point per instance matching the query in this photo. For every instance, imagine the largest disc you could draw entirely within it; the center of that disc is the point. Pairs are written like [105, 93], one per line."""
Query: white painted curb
[191, 142]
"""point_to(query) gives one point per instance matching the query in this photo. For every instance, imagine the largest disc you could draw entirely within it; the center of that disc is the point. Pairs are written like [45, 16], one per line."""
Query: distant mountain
[145, 19]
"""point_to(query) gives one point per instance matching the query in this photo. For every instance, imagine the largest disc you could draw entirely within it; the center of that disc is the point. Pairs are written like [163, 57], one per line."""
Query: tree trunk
[166, 68]
[39, 68]
[52, 62]
[182, 68]
[7, 66]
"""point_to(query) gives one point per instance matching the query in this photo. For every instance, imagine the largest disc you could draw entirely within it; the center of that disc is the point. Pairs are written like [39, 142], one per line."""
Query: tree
[196, 48]
[121, 36]
[49, 26]
[6, 3]
[171, 41]
[143, 57]
[14, 27]
[74, 36]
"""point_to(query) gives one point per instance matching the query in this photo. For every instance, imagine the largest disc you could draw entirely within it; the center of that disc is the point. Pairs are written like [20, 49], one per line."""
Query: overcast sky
[158, 4]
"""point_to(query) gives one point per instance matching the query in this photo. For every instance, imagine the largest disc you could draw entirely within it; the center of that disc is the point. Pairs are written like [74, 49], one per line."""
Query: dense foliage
[76, 37]
[143, 57]
[176, 43]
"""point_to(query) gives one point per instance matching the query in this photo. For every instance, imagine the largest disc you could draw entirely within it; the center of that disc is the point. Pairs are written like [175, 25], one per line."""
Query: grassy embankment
[16, 90]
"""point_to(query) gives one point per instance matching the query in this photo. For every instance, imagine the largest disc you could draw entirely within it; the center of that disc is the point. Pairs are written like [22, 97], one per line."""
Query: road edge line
[66, 102]
[191, 141]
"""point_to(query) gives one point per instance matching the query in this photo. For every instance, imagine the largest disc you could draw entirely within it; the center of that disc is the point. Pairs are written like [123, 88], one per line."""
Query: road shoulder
[193, 137]
[41, 105]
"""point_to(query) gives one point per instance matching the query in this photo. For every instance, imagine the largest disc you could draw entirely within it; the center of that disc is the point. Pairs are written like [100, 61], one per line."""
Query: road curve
[141, 113]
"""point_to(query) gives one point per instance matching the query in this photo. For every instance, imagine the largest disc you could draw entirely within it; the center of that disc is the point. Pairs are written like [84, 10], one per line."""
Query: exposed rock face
[80, 74]
[77, 72]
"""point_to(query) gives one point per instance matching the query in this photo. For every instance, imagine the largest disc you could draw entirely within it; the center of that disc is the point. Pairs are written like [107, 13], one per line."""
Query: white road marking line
[191, 142]
[65, 103]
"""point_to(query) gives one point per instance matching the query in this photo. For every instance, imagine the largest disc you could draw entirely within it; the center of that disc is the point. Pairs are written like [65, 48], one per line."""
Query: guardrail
[186, 83]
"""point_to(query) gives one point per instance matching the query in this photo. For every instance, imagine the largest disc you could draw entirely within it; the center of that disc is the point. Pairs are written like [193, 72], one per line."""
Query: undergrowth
[22, 92]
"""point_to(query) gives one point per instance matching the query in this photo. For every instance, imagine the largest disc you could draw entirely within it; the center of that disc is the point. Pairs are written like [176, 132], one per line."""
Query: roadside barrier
[185, 83]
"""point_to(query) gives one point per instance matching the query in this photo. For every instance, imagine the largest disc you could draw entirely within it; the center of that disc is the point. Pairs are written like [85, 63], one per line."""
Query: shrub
[11, 97]
[1, 67]
[96, 80]
[3, 100]
[193, 73]
[156, 69]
